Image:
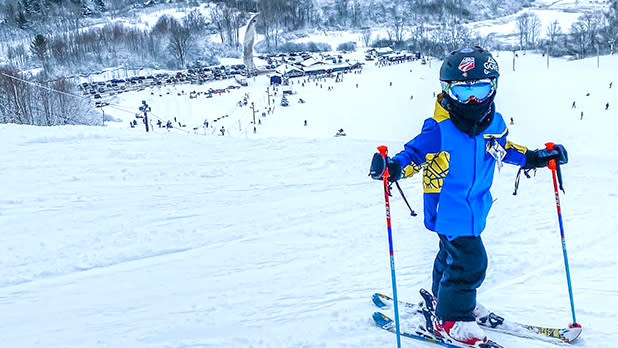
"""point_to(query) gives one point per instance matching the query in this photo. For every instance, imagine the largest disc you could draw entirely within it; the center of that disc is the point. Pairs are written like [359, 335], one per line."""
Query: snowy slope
[113, 237]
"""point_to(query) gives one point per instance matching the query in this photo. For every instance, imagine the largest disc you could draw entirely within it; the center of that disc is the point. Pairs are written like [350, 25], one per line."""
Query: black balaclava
[472, 118]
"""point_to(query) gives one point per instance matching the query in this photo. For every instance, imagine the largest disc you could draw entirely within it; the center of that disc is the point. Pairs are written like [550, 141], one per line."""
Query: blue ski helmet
[469, 64]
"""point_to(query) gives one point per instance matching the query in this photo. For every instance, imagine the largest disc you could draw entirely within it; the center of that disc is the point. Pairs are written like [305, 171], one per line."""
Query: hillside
[114, 237]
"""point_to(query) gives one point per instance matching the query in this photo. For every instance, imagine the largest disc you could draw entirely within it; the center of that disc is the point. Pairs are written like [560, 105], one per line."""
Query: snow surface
[113, 237]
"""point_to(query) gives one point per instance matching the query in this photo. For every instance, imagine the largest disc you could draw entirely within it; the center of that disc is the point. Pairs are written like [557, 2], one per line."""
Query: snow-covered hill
[113, 237]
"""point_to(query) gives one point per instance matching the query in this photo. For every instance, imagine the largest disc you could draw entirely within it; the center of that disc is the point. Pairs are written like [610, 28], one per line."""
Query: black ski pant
[459, 269]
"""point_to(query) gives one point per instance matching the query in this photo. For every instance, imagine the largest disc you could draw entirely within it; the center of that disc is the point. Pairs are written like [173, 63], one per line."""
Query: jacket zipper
[471, 186]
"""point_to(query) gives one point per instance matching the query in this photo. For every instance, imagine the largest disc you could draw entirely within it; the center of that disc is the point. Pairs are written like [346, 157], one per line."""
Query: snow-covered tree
[180, 41]
[38, 48]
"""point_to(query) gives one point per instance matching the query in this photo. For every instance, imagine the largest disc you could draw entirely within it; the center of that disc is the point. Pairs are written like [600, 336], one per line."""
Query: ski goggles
[466, 91]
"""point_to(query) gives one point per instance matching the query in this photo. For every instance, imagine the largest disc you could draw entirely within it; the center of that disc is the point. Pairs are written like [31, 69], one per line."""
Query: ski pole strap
[526, 173]
[559, 172]
[412, 212]
[517, 181]
[555, 165]
[383, 149]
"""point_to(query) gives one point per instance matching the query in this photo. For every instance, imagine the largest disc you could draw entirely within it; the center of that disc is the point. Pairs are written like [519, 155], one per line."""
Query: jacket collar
[440, 114]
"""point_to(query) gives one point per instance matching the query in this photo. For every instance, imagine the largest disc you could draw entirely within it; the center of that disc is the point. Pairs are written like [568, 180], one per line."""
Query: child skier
[458, 149]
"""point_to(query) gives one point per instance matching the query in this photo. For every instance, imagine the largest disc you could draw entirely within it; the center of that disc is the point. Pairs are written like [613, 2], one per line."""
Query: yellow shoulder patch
[489, 136]
[519, 148]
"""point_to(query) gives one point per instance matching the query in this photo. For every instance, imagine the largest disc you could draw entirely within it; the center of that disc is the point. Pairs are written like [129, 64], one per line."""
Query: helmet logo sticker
[466, 64]
[490, 64]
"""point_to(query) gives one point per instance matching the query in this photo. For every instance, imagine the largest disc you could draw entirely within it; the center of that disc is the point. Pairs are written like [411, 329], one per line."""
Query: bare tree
[356, 13]
[586, 32]
[578, 32]
[195, 22]
[269, 21]
[15, 100]
[610, 27]
[366, 36]
[534, 26]
[552, 31]
[592, 25]
[17, 54]
[397, 25]
[342, 8]
[180, 41]
[228, 21]
[523, 27]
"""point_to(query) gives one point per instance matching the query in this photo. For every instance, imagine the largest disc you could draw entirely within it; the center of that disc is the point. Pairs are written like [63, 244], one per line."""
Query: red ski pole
[383, 150]
[555, 168]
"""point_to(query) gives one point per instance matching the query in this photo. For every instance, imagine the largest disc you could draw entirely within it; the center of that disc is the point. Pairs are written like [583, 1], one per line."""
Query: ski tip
[378, 300]
[572, 333]
[381, 319]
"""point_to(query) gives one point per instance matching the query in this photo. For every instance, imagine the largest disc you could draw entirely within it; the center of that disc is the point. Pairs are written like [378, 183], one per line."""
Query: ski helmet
[469, 64]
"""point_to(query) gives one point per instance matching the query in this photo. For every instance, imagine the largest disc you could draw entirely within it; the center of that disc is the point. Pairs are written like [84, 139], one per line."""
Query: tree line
[593, 33]
[170, 43]
[39, 101]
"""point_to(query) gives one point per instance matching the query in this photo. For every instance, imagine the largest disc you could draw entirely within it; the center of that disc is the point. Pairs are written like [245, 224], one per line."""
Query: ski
[490, 321]
[422, 334]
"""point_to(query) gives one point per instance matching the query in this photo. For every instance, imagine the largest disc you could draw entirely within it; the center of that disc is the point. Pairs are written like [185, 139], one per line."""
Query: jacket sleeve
[515, 154]
[414, 153]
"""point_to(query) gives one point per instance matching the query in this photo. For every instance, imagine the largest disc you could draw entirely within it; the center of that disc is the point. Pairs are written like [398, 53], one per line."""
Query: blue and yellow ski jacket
[458, 171]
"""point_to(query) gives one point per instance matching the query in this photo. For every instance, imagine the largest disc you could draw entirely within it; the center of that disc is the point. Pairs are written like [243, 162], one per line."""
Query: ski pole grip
[383, 149]
[552, 163]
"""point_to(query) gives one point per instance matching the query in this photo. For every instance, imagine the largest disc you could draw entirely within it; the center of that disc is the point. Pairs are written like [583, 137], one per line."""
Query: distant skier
[222, 130]
[458, 149]
[581, 116]
[512, 121]
[305, 123]
[606, 106]
[610, 84]
[573, 105]
[340, 133]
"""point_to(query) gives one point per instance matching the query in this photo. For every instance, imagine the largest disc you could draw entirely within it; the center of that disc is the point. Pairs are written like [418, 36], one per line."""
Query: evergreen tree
[21, 20]
[26, 6]
[100, 5]
[38, 47]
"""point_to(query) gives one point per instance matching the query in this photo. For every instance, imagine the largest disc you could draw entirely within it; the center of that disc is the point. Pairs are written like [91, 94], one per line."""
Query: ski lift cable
[113, 106]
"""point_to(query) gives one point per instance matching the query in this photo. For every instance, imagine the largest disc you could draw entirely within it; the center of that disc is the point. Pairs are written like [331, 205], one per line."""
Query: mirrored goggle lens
[465, 92]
